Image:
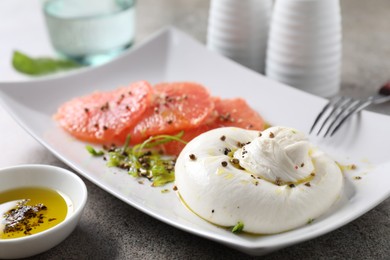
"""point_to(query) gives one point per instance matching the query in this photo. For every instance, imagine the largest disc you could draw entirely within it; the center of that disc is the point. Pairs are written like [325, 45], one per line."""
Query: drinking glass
[88, 31]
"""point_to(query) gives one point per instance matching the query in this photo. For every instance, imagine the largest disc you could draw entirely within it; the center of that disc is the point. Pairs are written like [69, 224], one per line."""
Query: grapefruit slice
[176, 106]
[102, 116]
[228, 112]
[236, 112]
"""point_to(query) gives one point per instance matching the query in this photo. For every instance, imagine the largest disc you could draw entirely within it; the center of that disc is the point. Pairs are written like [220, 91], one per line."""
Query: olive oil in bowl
[30, 210]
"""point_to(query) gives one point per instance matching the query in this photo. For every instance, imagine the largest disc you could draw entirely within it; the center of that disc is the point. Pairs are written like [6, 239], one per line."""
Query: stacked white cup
[238, 29]
[304, 45]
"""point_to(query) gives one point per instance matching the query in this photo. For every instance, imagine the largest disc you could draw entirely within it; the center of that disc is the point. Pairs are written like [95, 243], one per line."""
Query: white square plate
[172, 56]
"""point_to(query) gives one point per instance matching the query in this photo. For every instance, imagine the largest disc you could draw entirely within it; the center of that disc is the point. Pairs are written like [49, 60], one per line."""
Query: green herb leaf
[238, 227]
[40, 66]
[93, 152]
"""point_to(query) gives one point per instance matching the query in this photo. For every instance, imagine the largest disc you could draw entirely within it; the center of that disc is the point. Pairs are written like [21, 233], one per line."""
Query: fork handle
[379, 99]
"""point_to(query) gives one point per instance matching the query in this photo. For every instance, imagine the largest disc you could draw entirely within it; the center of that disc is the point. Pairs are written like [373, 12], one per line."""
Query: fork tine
[359, 106]
[322, 112]
[345, 110]
[339, 104]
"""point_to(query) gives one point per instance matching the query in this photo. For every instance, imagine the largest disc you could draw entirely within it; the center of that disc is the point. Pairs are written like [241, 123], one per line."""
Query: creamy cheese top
[271, 181]
[279, 154]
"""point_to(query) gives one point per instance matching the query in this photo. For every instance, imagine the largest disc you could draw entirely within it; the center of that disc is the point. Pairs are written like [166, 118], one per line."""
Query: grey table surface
[111, 229]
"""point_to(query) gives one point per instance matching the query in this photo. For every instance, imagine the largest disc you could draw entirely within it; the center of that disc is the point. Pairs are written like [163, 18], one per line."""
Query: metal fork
[339, 109]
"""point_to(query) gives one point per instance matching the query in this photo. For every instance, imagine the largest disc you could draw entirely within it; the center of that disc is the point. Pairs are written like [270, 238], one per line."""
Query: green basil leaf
[40, 66]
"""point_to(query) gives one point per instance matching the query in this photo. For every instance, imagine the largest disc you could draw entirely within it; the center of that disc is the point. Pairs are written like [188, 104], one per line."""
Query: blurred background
[366, 44]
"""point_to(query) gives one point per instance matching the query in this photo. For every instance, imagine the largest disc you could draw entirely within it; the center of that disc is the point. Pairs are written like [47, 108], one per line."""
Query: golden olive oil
[54, 211]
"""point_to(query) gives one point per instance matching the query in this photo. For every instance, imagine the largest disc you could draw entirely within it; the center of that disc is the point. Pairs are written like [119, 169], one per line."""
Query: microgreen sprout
[145, 160]
[238, 228]
[93, 152]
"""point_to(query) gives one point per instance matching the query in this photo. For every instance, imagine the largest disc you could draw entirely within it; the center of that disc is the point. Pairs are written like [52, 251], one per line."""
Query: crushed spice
[278, 181]
[24, 217]
[105, 107]
[226, 151]
[235, 161]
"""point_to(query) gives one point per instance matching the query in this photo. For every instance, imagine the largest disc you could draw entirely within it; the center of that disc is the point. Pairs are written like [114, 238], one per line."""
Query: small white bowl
[50, 177]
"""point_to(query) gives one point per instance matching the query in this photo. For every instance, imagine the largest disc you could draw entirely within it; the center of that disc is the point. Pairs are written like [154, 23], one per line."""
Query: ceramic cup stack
[239, 30]
[304, 46]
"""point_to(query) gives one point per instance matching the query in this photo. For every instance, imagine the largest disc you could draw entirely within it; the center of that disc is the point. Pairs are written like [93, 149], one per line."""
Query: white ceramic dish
[50, 177]
[173, 56]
